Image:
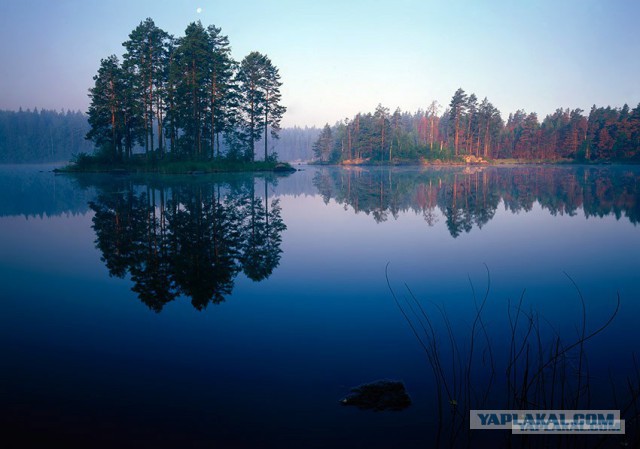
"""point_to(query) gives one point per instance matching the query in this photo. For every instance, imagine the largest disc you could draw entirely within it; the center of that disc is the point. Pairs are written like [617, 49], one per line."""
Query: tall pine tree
[145, 61]
[259, 97]
[106, 111]
[457, 109]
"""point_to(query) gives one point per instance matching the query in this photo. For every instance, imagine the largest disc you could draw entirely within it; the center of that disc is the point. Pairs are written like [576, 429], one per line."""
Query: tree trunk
[382, 142]
[455, 139]
[151, 104]
[486, 140]
[213, 116]
[266, 125]
[431, 134]
[160, 120]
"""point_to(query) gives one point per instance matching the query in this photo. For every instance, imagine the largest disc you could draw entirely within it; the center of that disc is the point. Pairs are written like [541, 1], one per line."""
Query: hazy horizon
[340, 59]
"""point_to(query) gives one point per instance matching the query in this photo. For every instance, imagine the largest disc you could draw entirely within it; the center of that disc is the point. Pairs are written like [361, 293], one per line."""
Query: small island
[139, 164]
[182, 105]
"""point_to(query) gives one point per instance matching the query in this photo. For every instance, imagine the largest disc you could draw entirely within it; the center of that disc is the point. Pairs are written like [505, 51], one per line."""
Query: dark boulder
[283, 168]
[379, 396]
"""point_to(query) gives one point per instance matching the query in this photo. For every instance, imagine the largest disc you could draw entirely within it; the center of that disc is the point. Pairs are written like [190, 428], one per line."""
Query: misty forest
[42, 136]
[37, 136]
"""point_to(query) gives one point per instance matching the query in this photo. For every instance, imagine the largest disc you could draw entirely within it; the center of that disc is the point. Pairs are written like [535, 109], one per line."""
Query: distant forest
[34, 136]
[469, 127]
[293, 144]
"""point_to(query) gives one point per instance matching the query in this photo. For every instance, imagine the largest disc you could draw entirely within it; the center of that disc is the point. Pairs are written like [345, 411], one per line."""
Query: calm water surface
[237, 310]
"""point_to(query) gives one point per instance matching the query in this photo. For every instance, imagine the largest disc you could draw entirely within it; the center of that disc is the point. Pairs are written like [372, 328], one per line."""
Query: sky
[340, 57]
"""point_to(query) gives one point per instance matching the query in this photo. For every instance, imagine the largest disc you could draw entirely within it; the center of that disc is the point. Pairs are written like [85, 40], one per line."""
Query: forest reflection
[469, 197]
[189, 239]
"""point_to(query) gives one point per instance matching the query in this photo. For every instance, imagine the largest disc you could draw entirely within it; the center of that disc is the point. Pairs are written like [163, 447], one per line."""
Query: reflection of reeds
[539, 375]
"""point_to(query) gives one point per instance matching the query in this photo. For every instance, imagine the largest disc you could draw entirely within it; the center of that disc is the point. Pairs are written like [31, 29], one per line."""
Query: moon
[198, 10]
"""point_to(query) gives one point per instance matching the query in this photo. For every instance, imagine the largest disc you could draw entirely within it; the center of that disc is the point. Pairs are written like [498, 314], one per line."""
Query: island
[182, 105]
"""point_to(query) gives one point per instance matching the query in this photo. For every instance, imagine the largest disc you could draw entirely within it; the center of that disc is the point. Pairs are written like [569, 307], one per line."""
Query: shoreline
[179, 168]
[490, 163]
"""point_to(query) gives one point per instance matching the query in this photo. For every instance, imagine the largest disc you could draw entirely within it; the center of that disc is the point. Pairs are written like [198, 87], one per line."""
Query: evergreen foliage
[177, 97]
[42, 136]
[471, 128]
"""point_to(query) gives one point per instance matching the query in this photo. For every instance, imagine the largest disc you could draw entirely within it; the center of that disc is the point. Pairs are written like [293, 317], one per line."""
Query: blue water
[86, 361]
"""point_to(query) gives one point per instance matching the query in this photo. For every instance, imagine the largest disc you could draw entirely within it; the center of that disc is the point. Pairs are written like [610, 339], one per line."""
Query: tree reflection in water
[189, 239]
[469, 197]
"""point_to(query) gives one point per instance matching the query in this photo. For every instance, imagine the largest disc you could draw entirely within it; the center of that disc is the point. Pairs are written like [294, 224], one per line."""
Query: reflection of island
[469, 197]
[187, 239]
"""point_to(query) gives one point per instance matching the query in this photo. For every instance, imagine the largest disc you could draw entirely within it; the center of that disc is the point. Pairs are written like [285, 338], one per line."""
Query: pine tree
[146, 61]
[382, 130]
[251, 101]
[105, 111]
[171, 75]
[456, 111]
[259, 97]
[322, 148]
[432, 112]
[273, 110]
[490, 124]
[190, 73]
[221, 87]
[471, 107]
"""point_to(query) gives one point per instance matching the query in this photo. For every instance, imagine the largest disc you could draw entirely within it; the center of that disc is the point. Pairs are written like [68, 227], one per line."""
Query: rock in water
[284, 168]
[379, 395]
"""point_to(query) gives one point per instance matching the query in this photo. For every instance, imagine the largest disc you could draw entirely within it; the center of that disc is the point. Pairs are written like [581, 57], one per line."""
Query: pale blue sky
[337, 58]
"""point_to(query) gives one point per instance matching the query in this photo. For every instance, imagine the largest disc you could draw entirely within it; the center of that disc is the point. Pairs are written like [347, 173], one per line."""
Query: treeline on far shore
[41, 136]
[473, 128]
[34, 136]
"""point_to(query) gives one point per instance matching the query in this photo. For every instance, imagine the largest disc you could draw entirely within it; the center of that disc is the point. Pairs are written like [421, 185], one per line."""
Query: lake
[238, 310]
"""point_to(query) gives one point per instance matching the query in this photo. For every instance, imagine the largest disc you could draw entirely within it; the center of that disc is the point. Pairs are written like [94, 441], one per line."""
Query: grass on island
[85, 163]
